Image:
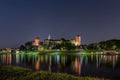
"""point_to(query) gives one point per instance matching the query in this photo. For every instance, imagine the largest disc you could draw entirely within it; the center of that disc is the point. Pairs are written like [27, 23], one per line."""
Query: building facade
[78, 40]
[36, 41]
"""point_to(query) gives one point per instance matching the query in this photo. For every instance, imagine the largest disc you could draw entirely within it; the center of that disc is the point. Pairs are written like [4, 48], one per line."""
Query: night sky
[93, 20]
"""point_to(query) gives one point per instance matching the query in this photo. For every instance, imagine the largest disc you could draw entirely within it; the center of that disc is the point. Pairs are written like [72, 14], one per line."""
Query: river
[103, 66]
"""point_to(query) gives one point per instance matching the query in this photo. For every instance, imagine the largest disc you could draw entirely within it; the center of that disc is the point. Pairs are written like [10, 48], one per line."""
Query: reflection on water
[77, 64]
[73, 64]
[106, 60]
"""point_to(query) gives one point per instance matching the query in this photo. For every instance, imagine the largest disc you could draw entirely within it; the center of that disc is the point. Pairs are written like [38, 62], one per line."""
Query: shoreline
[86, 52]
[19, 73]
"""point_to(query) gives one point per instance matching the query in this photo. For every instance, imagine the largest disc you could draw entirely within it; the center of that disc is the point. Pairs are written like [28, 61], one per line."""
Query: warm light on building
[36, 41]
[78, 40]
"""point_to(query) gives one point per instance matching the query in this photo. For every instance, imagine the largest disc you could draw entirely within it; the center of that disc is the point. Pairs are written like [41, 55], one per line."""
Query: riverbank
[18, 73]
[83, 52]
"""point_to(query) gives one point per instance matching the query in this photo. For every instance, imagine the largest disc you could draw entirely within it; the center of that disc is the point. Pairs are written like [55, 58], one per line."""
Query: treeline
[113, 44]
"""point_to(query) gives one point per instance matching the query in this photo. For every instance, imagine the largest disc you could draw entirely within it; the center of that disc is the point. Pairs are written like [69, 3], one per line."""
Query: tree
[22, 48]
[67, 45]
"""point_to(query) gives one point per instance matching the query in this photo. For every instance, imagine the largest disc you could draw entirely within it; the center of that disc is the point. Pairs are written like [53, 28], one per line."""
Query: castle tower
[78, 40]
[36, 41]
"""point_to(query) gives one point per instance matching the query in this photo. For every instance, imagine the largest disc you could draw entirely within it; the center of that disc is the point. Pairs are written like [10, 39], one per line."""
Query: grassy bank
[17, 73]
[58, 52]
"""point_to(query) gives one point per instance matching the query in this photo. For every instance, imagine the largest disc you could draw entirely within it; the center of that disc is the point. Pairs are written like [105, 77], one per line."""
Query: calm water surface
[105, 66]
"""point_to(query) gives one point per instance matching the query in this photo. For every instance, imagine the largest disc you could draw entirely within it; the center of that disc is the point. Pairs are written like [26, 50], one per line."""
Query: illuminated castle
[76, 41]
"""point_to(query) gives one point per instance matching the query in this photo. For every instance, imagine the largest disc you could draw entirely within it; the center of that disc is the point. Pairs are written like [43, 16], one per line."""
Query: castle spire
[49, 37]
